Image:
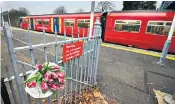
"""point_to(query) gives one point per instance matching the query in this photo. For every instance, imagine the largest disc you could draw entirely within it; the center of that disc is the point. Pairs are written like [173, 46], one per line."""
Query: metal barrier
[82, 70]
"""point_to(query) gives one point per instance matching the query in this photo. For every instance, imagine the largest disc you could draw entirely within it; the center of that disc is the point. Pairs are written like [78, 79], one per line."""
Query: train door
[20, 21]
[56, 23]
[103, 24]
[31, 24]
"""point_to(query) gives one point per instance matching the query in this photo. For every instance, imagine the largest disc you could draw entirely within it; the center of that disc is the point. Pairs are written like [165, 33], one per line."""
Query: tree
[139, 5]
[105, 6]
[23, 11]
[15, 14]
[79, 10]
[60, 10]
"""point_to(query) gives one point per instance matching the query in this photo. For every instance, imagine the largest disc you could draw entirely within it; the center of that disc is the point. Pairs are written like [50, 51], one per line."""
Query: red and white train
[142, 29]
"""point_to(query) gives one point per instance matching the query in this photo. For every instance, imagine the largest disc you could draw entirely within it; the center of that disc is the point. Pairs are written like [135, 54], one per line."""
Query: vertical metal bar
[31, 52]
[64, 64]
[92, 61]
[81, 73]
[92, 17]
[167, 43]
[95, 58]
[83, 63]
[71, 97]
[71, 81]
[56, 48]
[88, 60]
[11, 85]
[44, 41]
[2, 18]
[97, 24]
[9, 42]
[49, 100]
[25, 78]
[76, 62]
[56, 60]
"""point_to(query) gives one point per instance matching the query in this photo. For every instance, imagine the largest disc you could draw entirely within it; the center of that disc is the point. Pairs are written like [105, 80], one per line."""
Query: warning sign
[72, 50]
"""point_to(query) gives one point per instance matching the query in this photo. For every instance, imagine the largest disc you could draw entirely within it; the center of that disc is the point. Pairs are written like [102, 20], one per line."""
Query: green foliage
[67, 77]
[139, 5]
[34, 78]
[15, 14]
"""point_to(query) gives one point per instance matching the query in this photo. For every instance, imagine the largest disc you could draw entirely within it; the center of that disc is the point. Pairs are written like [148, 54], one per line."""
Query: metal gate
[82, 70]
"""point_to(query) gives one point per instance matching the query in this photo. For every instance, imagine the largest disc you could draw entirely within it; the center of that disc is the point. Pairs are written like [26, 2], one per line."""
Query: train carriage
[141, 28]
[76, 20]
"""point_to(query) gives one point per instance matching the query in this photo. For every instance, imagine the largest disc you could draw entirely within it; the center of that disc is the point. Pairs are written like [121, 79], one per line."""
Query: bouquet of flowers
[45, 80]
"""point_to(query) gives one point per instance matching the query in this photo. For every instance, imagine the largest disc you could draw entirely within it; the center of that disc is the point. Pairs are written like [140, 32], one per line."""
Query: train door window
[38, 21]
[46, 21]
[84, 23]
[127, 25]
[69, 22]
[26, 21]
[158, 27]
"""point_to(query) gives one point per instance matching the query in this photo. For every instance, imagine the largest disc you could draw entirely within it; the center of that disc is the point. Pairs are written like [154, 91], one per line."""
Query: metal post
[167, 43]
[2, 18]
[92, 17]
[97, 32]
[10, 46]
[9, 22]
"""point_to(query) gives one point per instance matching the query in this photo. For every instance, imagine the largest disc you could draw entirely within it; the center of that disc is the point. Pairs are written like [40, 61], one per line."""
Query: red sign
[72, 50]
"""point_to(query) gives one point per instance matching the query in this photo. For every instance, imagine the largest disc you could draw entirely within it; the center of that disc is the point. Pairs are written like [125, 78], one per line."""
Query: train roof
[110, 12]
[64, 14]
[145, 13]
[141, 11]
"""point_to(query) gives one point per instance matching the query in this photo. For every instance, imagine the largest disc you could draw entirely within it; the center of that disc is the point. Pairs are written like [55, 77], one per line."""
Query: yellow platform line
[170, 57]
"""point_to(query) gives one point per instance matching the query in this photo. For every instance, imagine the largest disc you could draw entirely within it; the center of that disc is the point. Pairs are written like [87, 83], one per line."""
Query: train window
[127, 25]
[68, 22]
[46, 21]
[158, 27]
[84, 23]
[38, 21]
[26, 21]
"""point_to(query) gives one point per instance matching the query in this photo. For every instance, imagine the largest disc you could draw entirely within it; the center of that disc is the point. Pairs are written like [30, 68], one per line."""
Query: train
[145, 29]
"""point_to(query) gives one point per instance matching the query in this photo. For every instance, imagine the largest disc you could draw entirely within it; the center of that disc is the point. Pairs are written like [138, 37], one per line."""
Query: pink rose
[54, 75]
[53, 87]
[60, 74]
[49, 73]
[31, 84]
[56, 67]
[57, 86]
[40, 66]
[44, 86]
[46, 77]
[60, 80]
[61, 86]
[50, 80]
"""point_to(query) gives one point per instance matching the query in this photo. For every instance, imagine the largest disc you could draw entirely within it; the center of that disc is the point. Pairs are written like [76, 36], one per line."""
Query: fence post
[9, 43]
[97, 32]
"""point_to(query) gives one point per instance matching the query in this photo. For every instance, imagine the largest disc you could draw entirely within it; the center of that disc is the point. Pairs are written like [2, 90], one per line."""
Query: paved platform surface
[123, 74]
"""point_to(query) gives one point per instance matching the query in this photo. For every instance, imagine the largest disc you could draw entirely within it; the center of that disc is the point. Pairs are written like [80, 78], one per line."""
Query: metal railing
[82, 70]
